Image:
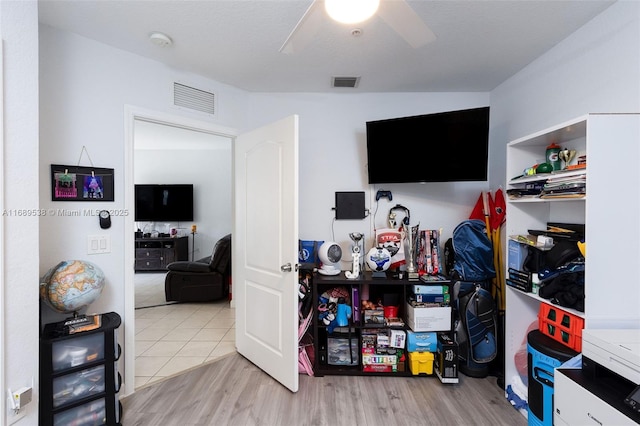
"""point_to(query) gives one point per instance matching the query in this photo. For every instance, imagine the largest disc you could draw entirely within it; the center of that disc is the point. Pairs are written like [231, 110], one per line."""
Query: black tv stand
[154, 254]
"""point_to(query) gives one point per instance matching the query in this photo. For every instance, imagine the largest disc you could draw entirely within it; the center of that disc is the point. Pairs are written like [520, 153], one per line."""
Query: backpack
[472, 252]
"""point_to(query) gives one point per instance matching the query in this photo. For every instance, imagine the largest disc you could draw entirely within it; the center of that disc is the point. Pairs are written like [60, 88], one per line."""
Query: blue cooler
[543, 355]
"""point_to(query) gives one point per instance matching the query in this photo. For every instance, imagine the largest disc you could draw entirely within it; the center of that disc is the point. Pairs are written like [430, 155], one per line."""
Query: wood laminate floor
[232, 391]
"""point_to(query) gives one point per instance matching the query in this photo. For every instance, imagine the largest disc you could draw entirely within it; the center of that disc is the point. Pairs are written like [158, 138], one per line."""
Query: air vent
[345, 81]
[192, 98]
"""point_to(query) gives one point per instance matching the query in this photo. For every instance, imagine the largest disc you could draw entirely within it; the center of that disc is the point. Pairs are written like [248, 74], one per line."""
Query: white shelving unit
[610, 212]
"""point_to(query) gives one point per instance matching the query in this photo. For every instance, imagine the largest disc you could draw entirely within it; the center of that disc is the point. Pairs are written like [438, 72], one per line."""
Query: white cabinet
[610, 212]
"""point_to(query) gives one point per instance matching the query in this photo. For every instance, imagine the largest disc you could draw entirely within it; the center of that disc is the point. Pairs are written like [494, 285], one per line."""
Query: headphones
[392, 216]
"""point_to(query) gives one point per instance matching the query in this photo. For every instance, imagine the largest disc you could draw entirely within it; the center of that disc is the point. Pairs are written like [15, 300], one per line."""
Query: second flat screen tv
[442, 147]
[164, 203]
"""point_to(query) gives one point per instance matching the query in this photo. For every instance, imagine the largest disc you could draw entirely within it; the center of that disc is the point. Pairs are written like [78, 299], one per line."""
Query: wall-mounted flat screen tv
[164, 203]
[442, 147]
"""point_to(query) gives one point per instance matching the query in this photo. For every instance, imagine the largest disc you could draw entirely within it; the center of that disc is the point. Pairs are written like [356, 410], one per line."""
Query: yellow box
[421, 362]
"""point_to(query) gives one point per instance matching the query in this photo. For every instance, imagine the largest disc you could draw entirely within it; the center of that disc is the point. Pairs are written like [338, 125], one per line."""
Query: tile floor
[176, 337]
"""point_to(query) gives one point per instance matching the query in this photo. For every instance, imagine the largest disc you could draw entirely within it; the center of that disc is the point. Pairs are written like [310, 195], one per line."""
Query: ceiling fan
[395, 13]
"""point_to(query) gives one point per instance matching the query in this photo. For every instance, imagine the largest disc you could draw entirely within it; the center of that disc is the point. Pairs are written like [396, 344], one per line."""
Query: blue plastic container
[543, 354]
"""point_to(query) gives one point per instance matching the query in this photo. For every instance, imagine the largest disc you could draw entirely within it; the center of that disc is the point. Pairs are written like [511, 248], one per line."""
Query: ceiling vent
[345, 81]
[192, 98]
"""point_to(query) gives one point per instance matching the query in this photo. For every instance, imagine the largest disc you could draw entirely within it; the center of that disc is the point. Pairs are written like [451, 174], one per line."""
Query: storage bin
[79, 351]
[75, 386]
[561, 326]
[421, 362]
[338, 349]
[543, 356]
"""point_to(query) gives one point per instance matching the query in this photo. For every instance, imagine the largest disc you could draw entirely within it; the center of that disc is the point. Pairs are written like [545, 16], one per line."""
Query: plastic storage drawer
[77, 352]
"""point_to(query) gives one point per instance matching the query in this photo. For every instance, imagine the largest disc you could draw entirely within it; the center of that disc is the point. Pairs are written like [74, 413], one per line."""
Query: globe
[378, 259]
[71, 285]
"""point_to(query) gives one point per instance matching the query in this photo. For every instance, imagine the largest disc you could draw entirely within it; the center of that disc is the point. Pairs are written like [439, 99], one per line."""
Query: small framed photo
[79, 183]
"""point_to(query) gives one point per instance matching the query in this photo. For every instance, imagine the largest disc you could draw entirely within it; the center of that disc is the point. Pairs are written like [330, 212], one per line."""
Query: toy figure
[343, 313]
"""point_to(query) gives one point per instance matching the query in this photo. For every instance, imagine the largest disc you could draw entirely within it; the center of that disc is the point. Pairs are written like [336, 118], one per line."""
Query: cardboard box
[446, 359]
[421, 342]
[430, 289]
[397, 339]
[374, 316]
[517, 253]
[374, 359]
[436, 318]
[433, 298]
[381, 368]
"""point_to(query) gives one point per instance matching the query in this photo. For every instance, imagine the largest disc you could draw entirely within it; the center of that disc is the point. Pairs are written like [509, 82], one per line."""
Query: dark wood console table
[154, 254]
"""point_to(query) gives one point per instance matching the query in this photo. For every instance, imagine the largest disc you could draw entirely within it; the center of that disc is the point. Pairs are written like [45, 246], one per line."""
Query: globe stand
[378, 274]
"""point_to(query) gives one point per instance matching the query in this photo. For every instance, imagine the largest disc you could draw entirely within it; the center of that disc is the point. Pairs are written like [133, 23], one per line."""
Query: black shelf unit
[79, 378]
[396, 290]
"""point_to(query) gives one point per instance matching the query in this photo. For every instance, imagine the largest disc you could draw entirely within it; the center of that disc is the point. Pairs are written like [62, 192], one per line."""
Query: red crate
[561, 326]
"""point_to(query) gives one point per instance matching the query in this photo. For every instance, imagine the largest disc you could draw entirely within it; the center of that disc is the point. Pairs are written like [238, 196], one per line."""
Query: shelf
[560, 134]
[392, 292]
[546, 200]
[546, 176]
[607, 229]
[540, 299]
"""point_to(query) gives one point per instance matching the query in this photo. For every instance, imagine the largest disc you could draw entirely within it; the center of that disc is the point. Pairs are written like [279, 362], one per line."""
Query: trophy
[356, 255]
[410, 254]
[567, 155]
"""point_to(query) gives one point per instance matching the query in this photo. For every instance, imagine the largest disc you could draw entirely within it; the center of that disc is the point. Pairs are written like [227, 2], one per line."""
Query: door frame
[131, 114]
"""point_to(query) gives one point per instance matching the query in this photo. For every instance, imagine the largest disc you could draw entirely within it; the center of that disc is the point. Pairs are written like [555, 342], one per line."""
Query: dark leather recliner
[204, 280]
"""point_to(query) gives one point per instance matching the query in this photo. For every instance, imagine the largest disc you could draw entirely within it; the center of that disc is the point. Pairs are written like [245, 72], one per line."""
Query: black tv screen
[164, 203]
[442, 147]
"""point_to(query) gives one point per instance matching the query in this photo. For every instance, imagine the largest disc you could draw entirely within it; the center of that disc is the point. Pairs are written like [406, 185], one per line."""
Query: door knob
[286, 267]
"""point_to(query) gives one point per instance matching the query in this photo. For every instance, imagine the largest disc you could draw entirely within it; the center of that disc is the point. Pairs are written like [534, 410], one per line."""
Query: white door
[265, 248]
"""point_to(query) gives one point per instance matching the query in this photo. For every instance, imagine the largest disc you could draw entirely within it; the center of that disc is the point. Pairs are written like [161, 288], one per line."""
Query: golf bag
[475, 328]
[475, 311]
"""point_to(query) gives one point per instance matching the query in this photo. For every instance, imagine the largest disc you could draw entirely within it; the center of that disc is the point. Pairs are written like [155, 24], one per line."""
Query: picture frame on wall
[79, 183]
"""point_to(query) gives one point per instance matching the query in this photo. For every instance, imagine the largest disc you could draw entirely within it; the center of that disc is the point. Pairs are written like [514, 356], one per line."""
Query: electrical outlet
[18, 403]
[13, 416]
[22, 397]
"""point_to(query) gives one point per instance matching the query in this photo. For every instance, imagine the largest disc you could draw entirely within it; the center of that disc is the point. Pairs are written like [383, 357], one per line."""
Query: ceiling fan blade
[305, 29]
[404, 20]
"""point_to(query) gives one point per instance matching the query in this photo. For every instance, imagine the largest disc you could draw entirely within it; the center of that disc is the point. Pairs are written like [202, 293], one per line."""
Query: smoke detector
[160, 39]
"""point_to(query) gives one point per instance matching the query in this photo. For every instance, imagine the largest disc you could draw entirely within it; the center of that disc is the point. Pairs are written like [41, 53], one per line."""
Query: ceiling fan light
[351, 11]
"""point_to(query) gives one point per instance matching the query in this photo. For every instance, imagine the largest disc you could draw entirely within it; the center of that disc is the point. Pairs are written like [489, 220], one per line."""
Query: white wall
[173, 155]
[333, 158]
[596, 69]
[19, 268]
[85, 89]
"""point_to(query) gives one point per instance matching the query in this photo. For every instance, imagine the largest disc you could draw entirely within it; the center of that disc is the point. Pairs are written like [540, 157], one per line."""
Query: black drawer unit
[154, 254]
[79, 378]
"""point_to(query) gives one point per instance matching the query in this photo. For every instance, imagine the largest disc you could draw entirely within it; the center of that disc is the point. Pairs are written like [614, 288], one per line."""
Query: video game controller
[383, 194]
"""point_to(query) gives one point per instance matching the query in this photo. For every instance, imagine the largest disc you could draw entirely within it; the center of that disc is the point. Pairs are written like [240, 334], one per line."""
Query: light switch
[98, 244]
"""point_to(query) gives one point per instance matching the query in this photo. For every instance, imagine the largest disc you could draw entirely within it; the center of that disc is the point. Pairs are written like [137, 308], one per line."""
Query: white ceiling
[479, 44]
